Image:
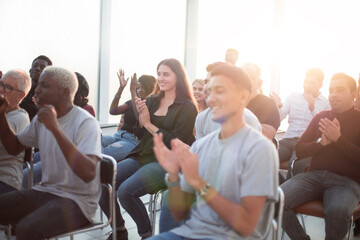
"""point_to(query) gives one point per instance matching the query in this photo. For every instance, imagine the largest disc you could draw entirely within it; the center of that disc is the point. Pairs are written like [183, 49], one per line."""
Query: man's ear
[244, 97]
[65, 91]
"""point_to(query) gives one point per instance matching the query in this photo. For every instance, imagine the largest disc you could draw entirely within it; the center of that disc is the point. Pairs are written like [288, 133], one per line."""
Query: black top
[130, 122]
[341, 157]
[177, 123]
[28, 105]
[265, 110]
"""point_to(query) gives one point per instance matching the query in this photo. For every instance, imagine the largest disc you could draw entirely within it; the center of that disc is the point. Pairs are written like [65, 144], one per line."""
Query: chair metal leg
[303, 222]
[9, 232]
[152, 209]
[350, 227]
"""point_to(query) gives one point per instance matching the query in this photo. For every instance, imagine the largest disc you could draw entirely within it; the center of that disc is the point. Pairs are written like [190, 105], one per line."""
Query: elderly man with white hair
[13, 86]
[69, 142]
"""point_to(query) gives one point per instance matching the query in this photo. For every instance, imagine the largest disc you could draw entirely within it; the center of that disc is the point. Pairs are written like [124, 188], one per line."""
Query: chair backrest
[107, 176]
[107, 169]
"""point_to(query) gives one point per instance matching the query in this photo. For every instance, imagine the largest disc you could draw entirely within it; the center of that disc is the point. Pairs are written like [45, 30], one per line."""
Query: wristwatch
[168, 183]
[204, 190]
[318, 142]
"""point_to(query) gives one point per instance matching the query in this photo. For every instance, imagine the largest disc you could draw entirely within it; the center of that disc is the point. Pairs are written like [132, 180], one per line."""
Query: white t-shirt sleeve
[89, 137]
[18, 121]
[256, 178]
[29, 136]
[198, 127]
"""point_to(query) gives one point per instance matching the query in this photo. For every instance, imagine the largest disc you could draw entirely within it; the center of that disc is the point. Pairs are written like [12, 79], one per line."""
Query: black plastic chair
[107, 175]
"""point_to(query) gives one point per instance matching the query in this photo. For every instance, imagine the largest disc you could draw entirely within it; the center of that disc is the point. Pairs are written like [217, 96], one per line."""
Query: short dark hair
[82, 92]
[237, 74]
[45, 58]
[148, 82]
[317, 73]
[349, 81]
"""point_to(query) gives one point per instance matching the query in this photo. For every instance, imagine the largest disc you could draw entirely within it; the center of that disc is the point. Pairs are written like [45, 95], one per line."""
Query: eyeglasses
[8, 88]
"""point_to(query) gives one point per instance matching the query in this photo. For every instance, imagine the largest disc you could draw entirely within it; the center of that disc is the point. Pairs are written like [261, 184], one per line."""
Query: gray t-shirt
[244, 164]
[57, 177]
[11, 167]
[205, 125]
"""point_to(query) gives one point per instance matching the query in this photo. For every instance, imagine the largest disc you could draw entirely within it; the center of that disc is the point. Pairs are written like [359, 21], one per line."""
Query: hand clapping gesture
[144, 115]
[178, 158]
[311, 100]
[166, 158]
[330, 131]
[121, 76]
[133, 83]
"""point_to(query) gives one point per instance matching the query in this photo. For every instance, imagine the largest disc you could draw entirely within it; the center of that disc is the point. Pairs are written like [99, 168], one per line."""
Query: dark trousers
[39, 215]
[340, 195]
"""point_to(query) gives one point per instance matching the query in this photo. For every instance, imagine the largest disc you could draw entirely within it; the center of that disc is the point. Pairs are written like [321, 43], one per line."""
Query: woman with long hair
[171, 112]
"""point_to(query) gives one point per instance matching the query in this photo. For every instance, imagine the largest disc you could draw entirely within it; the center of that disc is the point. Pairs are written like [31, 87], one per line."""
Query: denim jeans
[119, 145]
[172, 236]
[339, 194]
[132, 182]
[39, 215]
[167, 222]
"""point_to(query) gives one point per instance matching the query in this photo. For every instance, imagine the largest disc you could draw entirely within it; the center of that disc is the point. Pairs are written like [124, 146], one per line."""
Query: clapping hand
[330, 130]
[121, 76]
[188, 161]
[311, 100]
[144, 115]
[133, 83]
[166, 158]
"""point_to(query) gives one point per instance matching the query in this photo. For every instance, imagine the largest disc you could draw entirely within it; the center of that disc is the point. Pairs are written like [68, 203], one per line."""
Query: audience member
[171, 112]
[262, 106]
[82, 93]
[128, 137]
[231, 56]
[80, 100]
[204, 125]
[36, 69]
[69, 143]
[0, 74]
[13, 87]
[198, 91]
[301, 108]
[234, 197]
[332, 140]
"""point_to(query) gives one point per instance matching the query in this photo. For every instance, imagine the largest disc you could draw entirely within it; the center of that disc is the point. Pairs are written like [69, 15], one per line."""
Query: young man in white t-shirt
[231, 173]
[69, 142]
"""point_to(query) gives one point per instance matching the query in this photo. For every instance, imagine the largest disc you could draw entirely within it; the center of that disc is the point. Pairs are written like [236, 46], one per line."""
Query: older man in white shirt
[301, 108]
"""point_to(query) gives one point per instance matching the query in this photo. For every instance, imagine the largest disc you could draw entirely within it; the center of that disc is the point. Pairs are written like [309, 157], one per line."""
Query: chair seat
[313, 208]
[316, 209]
